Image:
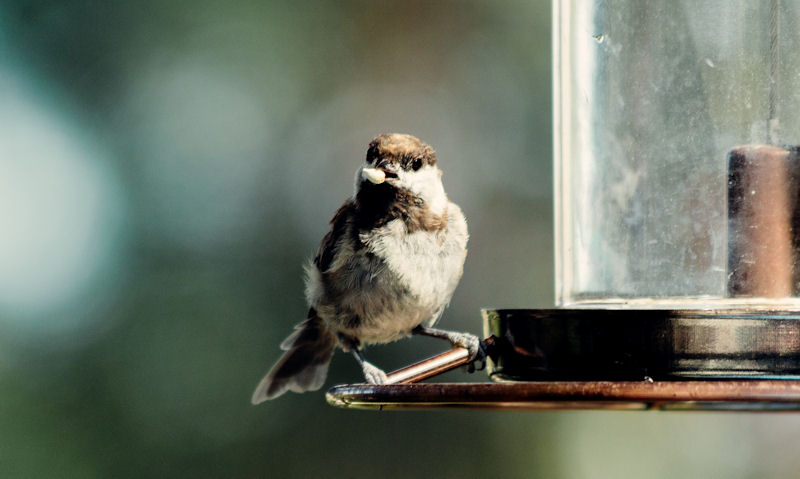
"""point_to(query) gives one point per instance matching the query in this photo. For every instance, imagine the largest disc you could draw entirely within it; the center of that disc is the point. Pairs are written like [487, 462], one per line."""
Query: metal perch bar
[637, 395]
[435, 365]
[430, 367]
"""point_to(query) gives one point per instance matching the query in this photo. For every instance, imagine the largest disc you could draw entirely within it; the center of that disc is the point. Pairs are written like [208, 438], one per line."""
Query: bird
[386, 270]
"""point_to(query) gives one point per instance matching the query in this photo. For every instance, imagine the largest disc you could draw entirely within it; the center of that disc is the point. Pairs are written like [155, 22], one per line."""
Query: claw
[477, 354]
[373, 374]
[471, 343]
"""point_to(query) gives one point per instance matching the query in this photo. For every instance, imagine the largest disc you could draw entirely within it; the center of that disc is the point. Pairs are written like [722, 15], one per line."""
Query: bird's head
[398, 163]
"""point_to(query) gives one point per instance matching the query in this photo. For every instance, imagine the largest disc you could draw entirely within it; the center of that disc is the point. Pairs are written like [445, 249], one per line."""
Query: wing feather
[340, 228]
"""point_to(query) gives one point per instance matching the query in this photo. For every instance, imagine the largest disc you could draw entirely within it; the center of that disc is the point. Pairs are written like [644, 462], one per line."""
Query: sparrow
[386, 269]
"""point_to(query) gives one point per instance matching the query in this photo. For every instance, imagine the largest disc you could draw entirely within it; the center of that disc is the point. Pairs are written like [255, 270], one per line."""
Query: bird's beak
[373, 175]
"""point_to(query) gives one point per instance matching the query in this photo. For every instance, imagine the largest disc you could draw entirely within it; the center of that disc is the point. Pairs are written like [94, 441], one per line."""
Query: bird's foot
[373, 374]
[470, 342]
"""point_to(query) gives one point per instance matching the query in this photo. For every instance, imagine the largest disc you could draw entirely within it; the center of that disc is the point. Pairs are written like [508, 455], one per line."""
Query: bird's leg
[468, 341]
[372, 373]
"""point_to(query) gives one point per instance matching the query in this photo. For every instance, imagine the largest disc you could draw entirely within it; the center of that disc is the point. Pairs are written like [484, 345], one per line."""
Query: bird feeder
[677, 219]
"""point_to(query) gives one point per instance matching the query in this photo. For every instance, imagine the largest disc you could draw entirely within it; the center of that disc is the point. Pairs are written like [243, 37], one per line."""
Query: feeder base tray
[636, 345]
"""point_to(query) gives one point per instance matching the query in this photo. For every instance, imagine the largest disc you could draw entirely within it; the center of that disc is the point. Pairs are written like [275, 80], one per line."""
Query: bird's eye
[416, 164]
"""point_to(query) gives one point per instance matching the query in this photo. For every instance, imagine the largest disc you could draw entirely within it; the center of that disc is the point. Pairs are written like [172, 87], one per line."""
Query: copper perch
[435, 365]
[770, 395]
[430, 367]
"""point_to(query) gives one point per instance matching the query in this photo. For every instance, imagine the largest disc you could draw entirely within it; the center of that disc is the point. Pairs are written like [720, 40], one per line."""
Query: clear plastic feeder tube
[676, 140]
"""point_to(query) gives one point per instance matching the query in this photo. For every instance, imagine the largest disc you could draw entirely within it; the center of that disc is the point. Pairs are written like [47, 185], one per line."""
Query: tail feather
[304, 365]
[309, 331]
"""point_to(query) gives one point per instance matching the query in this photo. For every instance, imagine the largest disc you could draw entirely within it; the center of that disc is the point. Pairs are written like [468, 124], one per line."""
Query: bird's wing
[340, 226]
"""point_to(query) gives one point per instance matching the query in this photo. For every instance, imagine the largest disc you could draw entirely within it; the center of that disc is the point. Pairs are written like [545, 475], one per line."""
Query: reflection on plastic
[651, 100]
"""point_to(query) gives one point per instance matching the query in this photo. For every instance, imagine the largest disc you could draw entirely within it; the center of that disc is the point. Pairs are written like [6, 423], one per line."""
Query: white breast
[422, 271]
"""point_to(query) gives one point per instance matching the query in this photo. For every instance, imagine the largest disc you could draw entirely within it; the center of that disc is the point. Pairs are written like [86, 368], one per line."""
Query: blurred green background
[167, 167]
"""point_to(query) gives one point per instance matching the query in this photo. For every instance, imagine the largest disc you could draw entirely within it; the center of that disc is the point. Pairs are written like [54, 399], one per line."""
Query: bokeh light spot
[60, 207]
